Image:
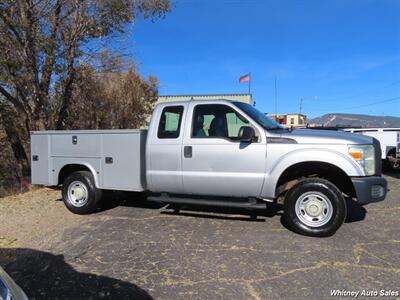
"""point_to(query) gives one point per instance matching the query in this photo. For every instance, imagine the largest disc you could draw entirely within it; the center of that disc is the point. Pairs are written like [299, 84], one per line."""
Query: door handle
[187, 151]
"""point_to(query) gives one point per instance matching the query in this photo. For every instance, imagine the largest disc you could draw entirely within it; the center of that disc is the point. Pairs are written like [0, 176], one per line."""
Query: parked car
[216, 153]
[389, 139]
[9, 290]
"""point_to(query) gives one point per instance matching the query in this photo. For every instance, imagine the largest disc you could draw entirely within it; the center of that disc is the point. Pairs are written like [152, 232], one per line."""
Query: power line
[365, 105]
[355, 95]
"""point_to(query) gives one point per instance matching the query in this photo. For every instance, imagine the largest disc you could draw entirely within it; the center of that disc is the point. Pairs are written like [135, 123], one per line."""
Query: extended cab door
[215, 162]
[164, 149]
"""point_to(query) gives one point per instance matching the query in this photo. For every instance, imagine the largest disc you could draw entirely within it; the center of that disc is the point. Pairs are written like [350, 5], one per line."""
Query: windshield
[257, 116]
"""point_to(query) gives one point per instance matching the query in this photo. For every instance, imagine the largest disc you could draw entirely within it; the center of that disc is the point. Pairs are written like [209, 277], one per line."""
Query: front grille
[378, 157]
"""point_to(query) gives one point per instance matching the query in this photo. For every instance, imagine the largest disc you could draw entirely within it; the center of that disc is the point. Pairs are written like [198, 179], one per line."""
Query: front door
[215, 162]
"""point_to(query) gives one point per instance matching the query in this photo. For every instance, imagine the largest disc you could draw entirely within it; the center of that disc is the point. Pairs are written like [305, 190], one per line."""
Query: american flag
[244, 78]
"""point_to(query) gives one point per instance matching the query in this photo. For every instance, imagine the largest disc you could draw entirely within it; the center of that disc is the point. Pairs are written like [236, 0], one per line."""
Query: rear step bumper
[209, 202]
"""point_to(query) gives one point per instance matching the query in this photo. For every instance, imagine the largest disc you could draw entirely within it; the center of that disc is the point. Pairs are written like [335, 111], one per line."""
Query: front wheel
[314, 207]
[80, 194]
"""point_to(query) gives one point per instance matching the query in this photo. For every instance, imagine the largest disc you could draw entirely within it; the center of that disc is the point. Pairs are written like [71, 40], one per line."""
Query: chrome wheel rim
[77, 194]
[314, 209]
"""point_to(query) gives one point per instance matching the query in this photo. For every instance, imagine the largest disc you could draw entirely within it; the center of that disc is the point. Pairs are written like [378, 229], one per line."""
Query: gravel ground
[137, 250]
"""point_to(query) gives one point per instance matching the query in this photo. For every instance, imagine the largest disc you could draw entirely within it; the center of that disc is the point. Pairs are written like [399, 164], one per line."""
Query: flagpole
[249, 83]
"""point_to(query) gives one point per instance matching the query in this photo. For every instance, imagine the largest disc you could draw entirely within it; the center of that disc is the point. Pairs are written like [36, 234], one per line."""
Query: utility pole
[307, 98]
[301, 104]
[276, 100]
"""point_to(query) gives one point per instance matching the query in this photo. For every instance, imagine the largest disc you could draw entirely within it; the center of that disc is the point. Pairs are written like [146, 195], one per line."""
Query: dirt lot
[137, 250]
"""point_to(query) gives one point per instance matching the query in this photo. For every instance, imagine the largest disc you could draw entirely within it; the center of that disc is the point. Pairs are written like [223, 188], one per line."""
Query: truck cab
[195, 148]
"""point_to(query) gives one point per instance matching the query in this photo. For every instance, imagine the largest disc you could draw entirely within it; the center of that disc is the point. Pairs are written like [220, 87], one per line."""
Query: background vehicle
[389, 139]
[216, 153]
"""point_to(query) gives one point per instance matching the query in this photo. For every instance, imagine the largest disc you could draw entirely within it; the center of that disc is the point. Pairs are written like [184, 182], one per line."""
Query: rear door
[164, 149]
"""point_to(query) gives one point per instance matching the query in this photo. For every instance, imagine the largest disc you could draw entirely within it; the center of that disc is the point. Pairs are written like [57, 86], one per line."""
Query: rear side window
[170, 122]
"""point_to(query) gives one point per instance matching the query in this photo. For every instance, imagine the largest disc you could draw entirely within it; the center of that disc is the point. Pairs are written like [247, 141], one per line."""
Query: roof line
[286, 114]
[205, 95]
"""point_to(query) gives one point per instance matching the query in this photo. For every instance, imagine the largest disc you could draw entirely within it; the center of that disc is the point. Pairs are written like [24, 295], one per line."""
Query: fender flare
[343, 162]
[84, 164]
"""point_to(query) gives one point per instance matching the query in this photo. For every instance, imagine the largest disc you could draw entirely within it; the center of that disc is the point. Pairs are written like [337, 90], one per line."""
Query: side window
[216, 121]
[170, 122]
[234, 122]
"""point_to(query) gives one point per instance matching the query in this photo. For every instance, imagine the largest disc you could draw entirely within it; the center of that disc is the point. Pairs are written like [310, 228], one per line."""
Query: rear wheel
[80, 194]
[314, 207]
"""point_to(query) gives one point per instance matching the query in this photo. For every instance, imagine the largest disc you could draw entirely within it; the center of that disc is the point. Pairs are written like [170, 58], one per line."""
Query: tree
[110, 98]
[42, 43]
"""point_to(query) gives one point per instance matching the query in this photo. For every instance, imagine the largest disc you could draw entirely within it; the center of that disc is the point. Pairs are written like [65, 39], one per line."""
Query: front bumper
[370, 189]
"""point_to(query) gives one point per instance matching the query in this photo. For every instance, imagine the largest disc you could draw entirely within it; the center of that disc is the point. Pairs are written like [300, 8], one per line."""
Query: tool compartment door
[122, 164]
[40, 159]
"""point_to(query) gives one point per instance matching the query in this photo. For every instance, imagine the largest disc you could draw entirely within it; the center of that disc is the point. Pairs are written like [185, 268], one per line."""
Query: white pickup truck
[220, 153]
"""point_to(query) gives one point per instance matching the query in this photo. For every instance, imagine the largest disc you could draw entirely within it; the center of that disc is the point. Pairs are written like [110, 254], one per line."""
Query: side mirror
[246, 134]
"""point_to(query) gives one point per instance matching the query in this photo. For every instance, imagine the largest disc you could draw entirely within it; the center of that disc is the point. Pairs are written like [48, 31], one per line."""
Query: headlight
[365, 156]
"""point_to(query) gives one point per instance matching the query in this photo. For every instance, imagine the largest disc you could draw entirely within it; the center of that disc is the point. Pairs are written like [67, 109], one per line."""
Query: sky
[338, 55]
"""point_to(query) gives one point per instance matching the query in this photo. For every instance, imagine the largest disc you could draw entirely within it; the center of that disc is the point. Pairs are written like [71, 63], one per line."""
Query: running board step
[208, 202]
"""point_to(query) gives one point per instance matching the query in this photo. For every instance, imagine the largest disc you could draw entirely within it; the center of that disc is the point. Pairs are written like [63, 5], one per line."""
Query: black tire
[82, 179]
[326, 192]
[387, 165]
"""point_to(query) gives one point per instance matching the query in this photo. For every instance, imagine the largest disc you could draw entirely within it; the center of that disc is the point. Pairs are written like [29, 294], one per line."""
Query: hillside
[354, 120]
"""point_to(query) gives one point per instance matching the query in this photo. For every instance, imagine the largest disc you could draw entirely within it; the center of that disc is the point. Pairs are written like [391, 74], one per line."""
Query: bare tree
[42, 42]
[111, 99]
